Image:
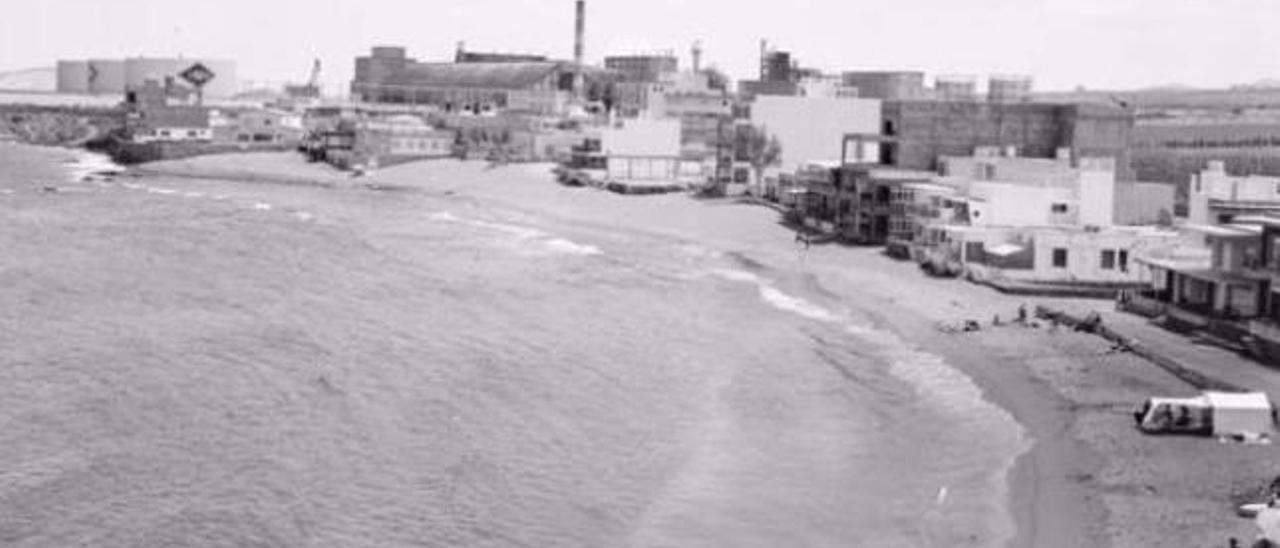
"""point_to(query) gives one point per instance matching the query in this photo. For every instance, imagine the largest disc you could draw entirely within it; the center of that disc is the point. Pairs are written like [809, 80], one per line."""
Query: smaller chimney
[579, 35]
[697, 57]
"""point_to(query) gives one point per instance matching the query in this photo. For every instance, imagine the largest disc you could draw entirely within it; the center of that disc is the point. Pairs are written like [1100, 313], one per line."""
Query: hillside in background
[36, 79]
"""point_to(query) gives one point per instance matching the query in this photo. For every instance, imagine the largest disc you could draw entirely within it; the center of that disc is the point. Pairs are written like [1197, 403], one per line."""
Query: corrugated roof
[475, 75]
[180, 117]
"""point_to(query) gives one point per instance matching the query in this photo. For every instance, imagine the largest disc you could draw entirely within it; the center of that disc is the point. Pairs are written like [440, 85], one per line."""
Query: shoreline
[1086, 478]
[1038, 509]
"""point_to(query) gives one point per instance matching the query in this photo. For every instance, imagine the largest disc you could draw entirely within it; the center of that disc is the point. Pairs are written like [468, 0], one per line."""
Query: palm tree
[759, 148]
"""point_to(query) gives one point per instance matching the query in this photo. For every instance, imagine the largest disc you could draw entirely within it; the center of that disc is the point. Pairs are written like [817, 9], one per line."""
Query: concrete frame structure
[917, 133]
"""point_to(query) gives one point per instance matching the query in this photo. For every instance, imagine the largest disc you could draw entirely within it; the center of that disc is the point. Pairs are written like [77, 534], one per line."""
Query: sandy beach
[1088, 479]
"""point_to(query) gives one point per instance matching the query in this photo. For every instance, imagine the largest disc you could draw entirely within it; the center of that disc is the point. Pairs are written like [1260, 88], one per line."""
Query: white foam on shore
[304, 216]
[796, 305]
[561, 245]
[159, 190]
[949, 391]
[89, 163]
[523, 236]
[260, 206]
[738, 276]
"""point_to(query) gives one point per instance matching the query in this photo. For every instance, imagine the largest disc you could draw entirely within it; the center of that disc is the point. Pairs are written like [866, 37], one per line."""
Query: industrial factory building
[887, 85]
[916, 133]
[116, 76]
[388, 75]
[643, 68]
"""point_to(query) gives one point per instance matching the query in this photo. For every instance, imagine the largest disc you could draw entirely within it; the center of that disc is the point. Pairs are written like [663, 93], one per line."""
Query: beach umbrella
[1268, 521]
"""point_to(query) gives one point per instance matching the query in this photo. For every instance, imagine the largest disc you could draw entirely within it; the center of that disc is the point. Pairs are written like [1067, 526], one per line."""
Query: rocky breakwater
[57, 126]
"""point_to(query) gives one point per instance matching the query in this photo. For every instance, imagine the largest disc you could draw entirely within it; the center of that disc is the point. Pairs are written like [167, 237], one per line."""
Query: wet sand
[1089, 479]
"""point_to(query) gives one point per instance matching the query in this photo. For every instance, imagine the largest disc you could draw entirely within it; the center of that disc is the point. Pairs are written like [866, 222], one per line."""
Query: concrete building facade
[812, 129]
[643, 68]
[388, 75]
[1216, 196]
[887, 85]
[917, 133]
[642, 150]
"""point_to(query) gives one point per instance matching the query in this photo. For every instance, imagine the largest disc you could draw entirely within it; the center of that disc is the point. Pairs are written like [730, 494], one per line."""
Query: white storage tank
[956, 88]
[138, 70]
[106, 76]
[1009, 89]
[73, 77]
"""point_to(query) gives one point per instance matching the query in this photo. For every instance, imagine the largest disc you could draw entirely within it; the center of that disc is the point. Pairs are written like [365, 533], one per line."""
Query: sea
[209, 363]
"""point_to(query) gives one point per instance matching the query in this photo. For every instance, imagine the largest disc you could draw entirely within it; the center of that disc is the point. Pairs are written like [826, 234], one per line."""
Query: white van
[1247, 414]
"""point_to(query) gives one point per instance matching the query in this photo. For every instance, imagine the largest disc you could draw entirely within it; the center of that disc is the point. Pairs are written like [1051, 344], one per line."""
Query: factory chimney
[579, 32]
[697, 57]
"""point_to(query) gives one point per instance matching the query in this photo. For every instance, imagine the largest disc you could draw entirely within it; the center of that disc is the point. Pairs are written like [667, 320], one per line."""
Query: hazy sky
[1062, 43]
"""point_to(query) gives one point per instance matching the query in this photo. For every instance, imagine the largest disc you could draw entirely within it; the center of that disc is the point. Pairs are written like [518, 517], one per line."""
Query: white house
[642, 150]
[1217, 197]
[812, 129]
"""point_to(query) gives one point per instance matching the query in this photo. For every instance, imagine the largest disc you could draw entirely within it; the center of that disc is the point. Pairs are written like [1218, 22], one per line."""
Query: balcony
[1265, 329]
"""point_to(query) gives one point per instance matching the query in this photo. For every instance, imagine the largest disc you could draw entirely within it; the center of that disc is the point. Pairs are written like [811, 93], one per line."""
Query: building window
[1108, 259]
[1124, 260]
[164, 133]
[988, 172]
[191, 133]
[1059, 257]
[1058, 208]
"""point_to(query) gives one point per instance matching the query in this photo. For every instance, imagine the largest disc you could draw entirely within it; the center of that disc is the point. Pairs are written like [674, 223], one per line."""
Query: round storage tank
[106, 76]
[138, 70]
[225, 83]
[73, 77]
[1009, 89]
[956, 88]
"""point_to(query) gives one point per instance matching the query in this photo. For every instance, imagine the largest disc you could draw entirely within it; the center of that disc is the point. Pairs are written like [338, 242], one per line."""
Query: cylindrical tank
[889, 85]
[1009, 89]
[955, 88]
[106, 76]
[73, 77]
[225, 83]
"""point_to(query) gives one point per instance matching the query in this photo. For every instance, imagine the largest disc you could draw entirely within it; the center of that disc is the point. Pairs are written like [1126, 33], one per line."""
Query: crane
[310, 90]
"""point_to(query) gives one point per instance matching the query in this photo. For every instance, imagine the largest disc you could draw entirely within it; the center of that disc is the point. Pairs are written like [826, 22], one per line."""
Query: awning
[1004, 250]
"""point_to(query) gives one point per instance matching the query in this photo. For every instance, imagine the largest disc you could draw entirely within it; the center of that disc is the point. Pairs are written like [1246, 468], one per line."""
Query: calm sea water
[210, 364]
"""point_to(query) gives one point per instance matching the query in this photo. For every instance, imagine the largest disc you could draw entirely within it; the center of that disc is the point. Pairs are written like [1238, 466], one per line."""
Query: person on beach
[1022, 313]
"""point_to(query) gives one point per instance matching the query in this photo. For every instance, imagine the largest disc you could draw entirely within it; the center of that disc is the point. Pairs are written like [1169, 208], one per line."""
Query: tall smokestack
[579, 33]
[697, 57]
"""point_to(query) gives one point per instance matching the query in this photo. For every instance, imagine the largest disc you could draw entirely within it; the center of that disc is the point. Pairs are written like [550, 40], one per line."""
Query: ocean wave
[90, 163]
[565, 246]
[796, 305]
[523, 236]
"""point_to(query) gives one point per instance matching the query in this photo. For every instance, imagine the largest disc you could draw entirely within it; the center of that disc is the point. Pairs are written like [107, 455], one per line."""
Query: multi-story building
[917, 133]
[1216, 196]
[812, 129]
[915, 206]
[478, 88]
[643, 68]
[887, 85]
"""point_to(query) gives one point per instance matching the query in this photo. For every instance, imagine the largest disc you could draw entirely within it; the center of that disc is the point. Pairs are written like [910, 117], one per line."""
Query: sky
[1062, 44]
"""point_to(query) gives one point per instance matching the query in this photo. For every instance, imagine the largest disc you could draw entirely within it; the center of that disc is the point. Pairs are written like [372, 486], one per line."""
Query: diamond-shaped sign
[197, 74]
